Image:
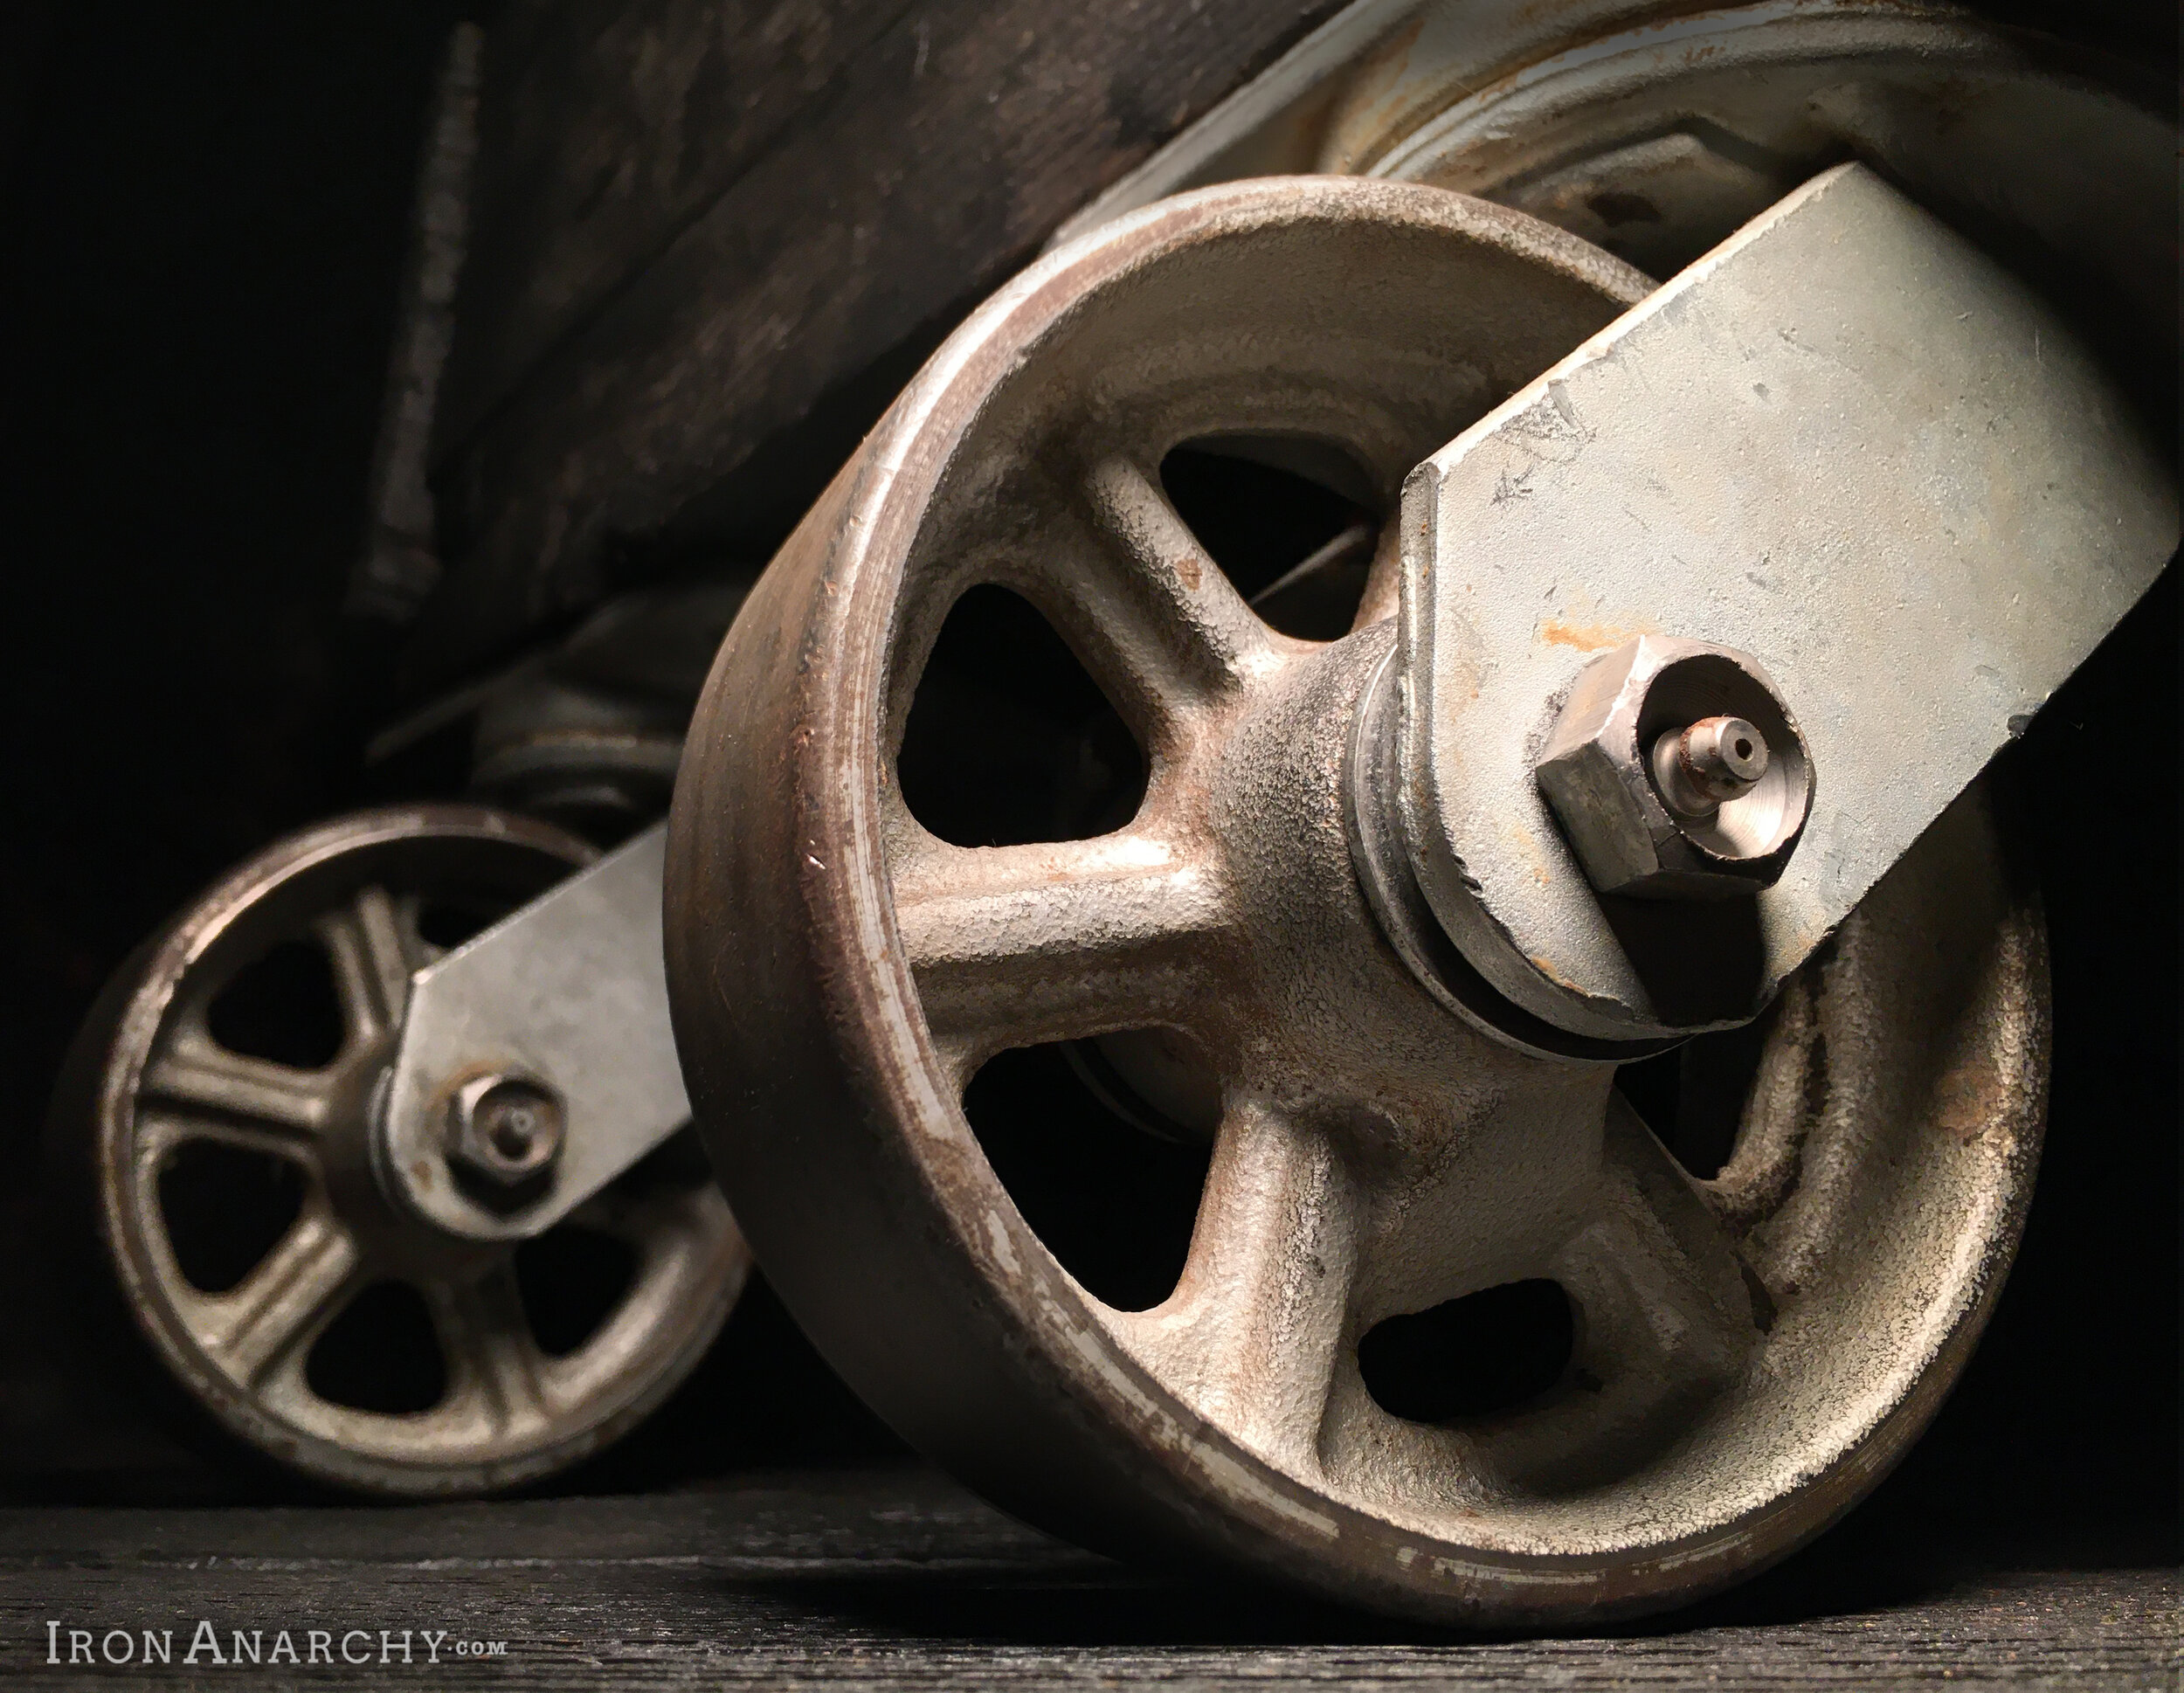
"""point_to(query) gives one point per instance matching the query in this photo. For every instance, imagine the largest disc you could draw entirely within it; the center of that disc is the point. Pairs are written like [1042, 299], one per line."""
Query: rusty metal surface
[151, 1079]
[1755, 1350]
[1894, 475]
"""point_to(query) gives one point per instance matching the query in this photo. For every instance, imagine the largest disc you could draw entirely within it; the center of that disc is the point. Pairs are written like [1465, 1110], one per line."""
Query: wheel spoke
[372, 962]
[1479, 1185]
[160, 1132]
[496, 1364]
[195, 1071]
[1149, 606]
[1672, 1313]
[253, 1329]
[1014, 946]
[684, 1240]
[1250, 1336]
[1556, 1180]
[409, 912]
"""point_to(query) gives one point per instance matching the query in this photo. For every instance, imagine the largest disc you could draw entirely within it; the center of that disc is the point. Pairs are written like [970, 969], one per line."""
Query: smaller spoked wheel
[215, 1117]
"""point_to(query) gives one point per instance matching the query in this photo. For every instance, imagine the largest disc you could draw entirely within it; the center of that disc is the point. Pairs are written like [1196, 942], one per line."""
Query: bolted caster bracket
[1895, 478]
[560, 1011]
[219, 1117]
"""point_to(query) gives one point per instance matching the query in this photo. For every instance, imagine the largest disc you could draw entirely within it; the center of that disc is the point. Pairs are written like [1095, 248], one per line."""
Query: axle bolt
[1701, 768]
[505, 1131]
[1661, 793]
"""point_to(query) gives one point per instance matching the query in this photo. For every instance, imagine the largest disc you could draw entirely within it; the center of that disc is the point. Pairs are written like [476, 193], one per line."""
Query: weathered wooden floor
[891, 1578]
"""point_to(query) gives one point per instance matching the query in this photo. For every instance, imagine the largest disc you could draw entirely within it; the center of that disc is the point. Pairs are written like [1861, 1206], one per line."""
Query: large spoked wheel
[215, 1115]
[1457, 1336]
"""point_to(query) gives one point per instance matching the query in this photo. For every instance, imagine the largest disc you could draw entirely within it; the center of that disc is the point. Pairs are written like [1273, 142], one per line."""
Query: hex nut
[504, 1133]
[1597, 773]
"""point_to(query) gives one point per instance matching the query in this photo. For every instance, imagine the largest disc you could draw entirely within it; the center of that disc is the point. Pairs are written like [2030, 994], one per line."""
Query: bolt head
[504, 1130]
[1655, 812]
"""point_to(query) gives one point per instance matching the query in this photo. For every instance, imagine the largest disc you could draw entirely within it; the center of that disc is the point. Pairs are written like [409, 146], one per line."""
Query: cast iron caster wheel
[214, 1114]
[1456, 1337]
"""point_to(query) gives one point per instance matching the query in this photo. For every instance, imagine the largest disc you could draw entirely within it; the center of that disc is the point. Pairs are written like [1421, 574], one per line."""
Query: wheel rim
[833, 964]
[304, 1353]
[1660, 139]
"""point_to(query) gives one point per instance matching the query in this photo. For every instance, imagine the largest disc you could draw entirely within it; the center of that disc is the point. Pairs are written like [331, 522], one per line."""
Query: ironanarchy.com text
[207, 1649]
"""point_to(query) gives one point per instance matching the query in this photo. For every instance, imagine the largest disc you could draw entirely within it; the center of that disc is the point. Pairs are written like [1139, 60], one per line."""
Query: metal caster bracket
[566, 997]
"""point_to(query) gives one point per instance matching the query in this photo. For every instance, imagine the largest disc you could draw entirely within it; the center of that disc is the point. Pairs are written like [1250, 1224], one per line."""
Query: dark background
[206, 211]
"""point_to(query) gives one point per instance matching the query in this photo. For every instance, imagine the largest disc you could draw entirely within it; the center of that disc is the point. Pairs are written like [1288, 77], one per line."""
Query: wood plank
[894, 1578]
[948, 150]
[607, 125]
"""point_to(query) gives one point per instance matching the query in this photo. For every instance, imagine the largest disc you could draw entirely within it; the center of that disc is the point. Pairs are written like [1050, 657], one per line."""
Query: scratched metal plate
[569, 991]
[1845, 442]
